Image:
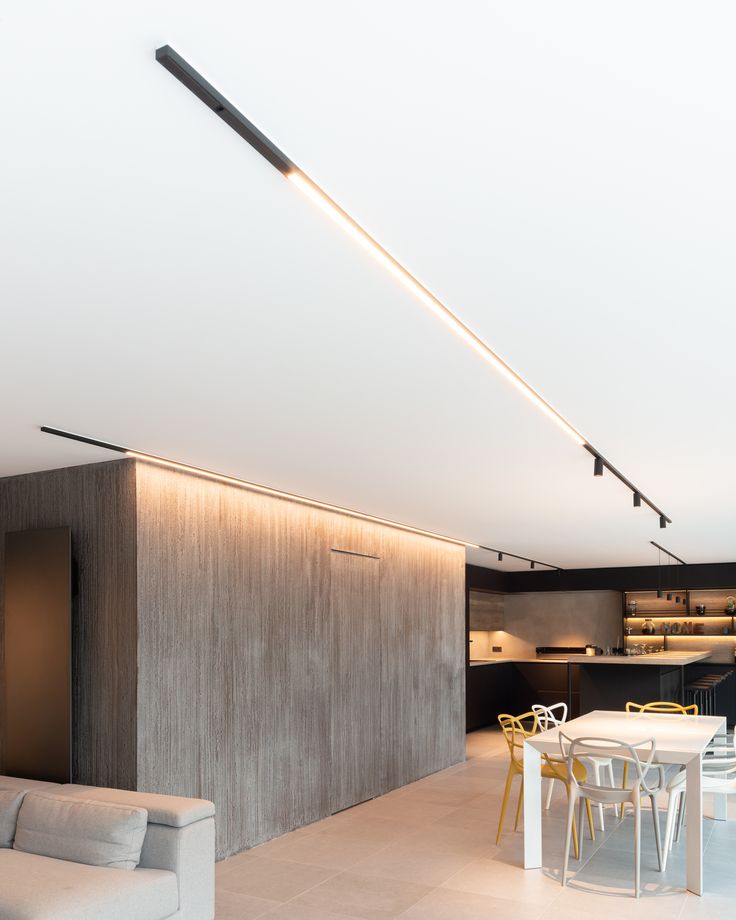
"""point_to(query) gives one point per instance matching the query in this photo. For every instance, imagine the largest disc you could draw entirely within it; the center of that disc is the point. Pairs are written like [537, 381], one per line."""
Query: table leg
[532, 808]
[694, 796]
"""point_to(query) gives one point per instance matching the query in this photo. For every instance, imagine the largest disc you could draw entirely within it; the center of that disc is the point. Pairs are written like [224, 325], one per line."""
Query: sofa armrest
[172, 810]
[190, 852]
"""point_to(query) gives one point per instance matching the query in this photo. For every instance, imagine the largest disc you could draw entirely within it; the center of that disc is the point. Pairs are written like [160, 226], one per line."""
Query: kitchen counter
[561, 660]
[656, 659]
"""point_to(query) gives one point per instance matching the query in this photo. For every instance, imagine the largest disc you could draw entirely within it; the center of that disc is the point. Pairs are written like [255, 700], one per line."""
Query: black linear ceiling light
[195, 82]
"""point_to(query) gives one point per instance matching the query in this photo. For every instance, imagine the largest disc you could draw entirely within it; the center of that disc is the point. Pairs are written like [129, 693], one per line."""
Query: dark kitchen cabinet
[516, 686]
[488, 694]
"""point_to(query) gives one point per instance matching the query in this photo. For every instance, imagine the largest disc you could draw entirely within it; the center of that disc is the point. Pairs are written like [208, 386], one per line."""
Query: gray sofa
[72, 852]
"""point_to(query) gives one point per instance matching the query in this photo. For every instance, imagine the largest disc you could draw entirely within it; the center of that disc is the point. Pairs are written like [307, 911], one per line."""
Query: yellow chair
[658, 706]
[662, 706]
[516, 730]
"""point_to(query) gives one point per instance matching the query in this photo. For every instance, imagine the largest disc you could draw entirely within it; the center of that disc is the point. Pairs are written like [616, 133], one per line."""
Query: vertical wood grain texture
[98, 503]
[355, 668]
[423, 665]
[233, 683]
[245, 626]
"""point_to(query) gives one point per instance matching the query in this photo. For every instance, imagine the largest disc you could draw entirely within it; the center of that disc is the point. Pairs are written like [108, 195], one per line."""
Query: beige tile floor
[427, 852]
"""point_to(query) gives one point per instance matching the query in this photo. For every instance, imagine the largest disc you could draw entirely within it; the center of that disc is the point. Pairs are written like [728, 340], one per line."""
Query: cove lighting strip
[244, 483]
[195, 82]
[267, 490]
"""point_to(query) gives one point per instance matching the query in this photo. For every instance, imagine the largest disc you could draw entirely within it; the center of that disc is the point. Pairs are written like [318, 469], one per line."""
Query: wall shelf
[659, 610]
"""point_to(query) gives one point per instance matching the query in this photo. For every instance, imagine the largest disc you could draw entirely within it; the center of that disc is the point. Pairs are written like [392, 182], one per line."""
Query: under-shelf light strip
[222, 107]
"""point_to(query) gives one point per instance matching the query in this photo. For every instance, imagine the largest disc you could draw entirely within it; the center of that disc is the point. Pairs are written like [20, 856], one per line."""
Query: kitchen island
[585, 682]
[610, 681]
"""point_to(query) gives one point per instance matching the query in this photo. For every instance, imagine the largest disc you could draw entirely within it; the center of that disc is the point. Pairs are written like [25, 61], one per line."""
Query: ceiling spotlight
[669, 595]
[500, 557]
[598, 467]
[677, 598]
[531, 565]
[662, 521]
[659, 592]
[637, 500]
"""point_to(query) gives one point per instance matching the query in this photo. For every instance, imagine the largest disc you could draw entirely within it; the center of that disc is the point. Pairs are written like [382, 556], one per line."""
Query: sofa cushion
[10, 801]
[82, 831]
[172, 810]
[38, 888]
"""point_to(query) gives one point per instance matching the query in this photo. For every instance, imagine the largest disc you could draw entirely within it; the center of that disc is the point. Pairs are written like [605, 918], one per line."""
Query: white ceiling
[560, 174]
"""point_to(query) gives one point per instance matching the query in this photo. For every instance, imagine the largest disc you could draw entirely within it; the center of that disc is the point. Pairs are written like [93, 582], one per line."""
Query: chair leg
[550, 788]
[669, 826]
[591, 826]
[657, 835]
[612, 781]
[597, 777]
[637, 845]
[581, 825]
[518, 804]
[680, 818]
[569, 828]
[623, 786]
[506, 793]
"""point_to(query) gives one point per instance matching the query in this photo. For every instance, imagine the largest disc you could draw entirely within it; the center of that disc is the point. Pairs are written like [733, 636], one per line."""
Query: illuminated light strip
[291, 496]
[251, 486]
[366, 241]
[267, 490]
[224, 109]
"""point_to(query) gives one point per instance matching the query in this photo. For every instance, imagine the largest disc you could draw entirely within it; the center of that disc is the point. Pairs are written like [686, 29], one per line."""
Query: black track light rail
[118, 448]
[70, 436]
[224, 109]
[600, 460]
[668, 553]
[533, 562]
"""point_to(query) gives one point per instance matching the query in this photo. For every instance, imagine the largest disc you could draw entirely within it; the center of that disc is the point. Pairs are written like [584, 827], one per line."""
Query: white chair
[648, 779]
[719, 778]
[554, 716]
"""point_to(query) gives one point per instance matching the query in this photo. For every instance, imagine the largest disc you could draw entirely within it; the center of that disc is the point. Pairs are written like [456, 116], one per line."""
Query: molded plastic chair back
[662, 706]
[550, 716]
[516, 729]
[640, 755]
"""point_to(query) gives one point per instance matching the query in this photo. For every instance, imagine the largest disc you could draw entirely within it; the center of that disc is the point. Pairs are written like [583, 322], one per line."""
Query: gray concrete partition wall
[560, 618]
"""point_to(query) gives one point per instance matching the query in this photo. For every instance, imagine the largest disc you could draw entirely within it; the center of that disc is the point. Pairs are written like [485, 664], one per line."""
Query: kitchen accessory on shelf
[631, 606]
[675, 630]
[665, 628]
[700, 609]
[726, 631]
[647, 627]
[698, 629]
[731, 604]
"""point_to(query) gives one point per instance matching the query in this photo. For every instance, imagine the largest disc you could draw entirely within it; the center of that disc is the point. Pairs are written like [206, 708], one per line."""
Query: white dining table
[681, 739]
